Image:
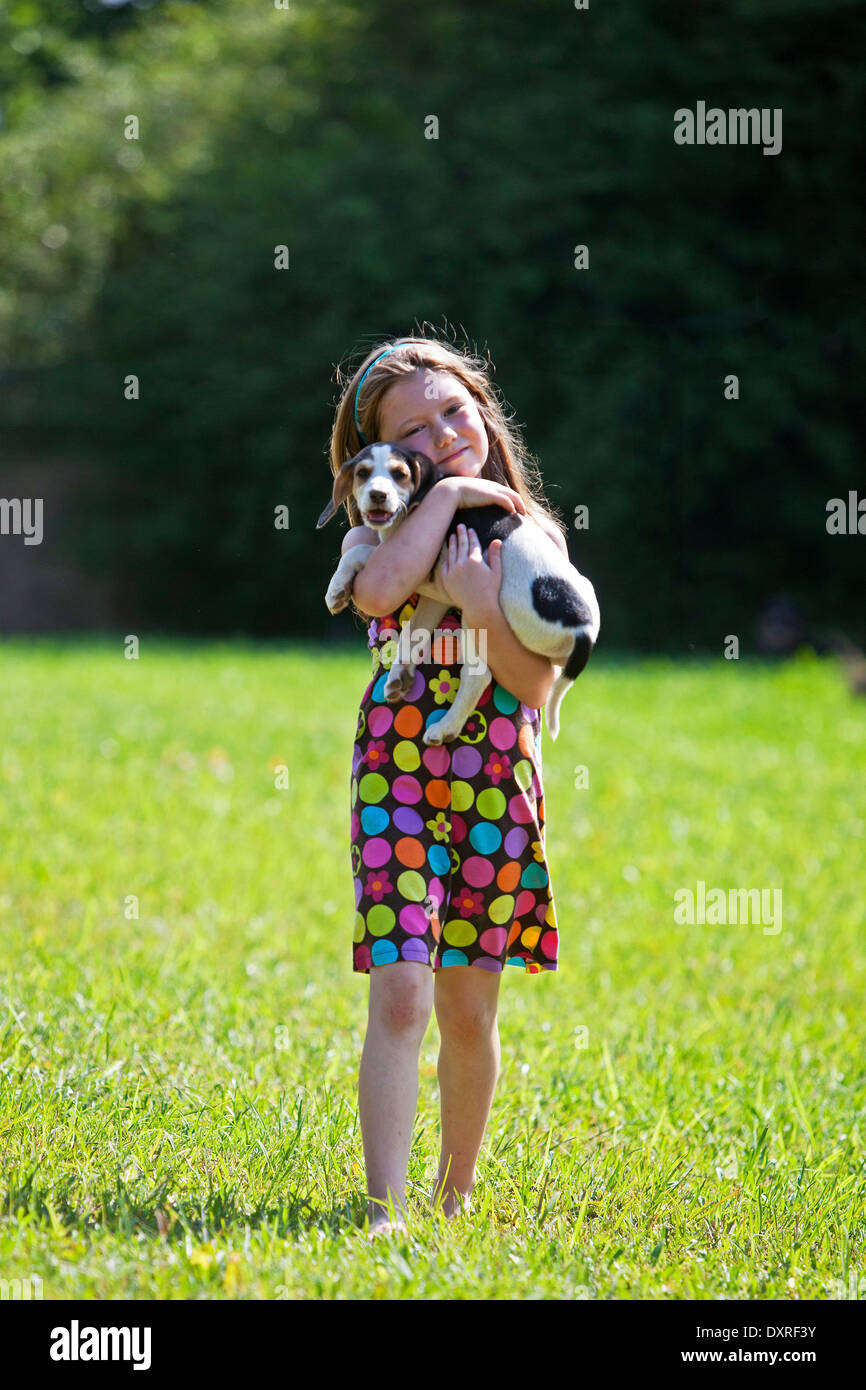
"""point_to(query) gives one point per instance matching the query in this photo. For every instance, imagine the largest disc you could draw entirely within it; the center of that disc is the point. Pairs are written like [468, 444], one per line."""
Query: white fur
[527, 553]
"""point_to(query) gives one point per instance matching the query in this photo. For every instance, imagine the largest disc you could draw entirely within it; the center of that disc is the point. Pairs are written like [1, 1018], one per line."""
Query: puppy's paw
[441, 732]
[399, 682]
[337, 597]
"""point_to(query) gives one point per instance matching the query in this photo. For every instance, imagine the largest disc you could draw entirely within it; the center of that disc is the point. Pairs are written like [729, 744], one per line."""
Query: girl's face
[448, 429]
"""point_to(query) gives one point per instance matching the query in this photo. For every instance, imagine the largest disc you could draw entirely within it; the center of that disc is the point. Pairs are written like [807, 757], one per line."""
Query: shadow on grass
[123, 1211]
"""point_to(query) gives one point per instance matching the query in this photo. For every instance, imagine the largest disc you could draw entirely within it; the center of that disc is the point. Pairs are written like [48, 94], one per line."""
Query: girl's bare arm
[402, 564]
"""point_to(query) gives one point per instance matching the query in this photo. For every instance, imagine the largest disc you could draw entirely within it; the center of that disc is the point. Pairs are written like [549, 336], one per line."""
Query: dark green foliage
[556, 129]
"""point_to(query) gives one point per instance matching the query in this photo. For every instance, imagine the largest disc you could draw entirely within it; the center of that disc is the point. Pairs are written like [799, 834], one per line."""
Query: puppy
[549, 605]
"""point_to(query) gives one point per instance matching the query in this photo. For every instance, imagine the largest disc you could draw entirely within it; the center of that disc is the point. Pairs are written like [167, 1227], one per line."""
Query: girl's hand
[469, 580]
[482, 492]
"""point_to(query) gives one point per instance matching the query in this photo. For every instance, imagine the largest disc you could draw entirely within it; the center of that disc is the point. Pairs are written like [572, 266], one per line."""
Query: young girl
[447, 843]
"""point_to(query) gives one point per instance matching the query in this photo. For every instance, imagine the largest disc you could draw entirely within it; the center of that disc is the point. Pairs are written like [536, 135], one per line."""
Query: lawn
[680, 1106]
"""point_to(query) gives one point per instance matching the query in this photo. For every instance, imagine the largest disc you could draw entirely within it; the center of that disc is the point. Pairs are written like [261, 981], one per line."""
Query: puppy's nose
[376, 496]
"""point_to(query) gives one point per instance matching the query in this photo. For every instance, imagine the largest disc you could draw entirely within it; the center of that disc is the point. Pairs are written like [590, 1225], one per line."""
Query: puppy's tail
[585, 637]
[580, 654]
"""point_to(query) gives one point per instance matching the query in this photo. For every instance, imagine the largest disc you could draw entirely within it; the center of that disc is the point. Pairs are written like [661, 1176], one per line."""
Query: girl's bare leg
[401, 999]
[466, 1001]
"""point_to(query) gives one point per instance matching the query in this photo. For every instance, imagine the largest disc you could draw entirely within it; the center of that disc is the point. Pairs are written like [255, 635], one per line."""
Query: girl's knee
[465, 1014]
[401, 998]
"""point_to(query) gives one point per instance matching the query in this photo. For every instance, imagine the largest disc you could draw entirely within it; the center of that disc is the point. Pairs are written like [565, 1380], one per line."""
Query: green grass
[680, 1108]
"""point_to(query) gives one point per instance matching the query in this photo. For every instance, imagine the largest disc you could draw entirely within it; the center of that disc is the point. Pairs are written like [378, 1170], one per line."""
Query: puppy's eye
[362, 472]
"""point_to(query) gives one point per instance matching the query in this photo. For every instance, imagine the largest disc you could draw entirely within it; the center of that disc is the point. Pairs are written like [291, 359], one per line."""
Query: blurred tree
[156, 257]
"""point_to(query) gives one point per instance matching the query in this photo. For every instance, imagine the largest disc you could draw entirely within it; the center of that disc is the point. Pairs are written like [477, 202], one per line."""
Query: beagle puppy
[549, 605]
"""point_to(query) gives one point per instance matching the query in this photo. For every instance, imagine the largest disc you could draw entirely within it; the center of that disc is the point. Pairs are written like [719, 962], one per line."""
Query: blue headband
[392, 348]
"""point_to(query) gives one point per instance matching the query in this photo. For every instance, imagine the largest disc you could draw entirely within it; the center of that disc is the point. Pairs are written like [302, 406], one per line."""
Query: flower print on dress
[444, 687]
[468, 903]
[475, 728]
[376, 756]
[440, 825]
[378, 884]
[450, 865]
[498, 766]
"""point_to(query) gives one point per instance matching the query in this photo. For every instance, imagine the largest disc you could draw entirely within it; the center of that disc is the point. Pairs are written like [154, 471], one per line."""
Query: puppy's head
[387, 482]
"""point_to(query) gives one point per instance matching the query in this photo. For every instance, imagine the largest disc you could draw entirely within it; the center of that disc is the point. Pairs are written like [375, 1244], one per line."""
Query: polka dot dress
[447, 843]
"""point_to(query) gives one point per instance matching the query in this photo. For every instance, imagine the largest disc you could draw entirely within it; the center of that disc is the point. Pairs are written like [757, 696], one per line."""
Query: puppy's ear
[342, 487]
[425, 475]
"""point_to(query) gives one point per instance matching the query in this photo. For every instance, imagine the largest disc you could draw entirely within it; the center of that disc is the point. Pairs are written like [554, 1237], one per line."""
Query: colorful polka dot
[501, 908]
[485, 838]
[406, 756]
[373, 787]
[384, 953]
[409, 822]
[413, 949]
[373, 820]
[411, 885]
[493, 940]
[379, 721]
[447, 841]
[459, 933]
[408, 721]
[523, 774]
[410, 851]
[413, 919]
[515, 841]
[491, 803]
[465, 761]
[439, 859]
[502, 734]
[406, 789]
[380, 919]
[478, 871]
[504, 700]
[375, 853]
[462, 796]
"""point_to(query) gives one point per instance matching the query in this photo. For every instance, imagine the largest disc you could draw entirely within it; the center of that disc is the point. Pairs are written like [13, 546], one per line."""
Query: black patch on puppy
[557, 601]
[580, 654]
[424, 472]
[489, 523]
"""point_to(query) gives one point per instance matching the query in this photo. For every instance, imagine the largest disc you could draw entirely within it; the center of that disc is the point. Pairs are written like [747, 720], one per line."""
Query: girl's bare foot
[383, 1226]
[449, 1201]
[386, 1218]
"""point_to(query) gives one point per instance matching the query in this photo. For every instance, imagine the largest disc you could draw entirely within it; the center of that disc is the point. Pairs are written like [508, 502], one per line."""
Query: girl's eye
[456, 406]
